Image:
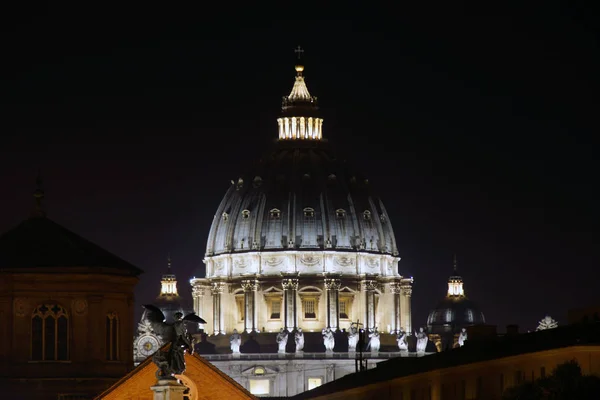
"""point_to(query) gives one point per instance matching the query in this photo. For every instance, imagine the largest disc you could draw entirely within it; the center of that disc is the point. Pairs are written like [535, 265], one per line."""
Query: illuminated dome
[300, 197]
[301, 241]
[455, 311]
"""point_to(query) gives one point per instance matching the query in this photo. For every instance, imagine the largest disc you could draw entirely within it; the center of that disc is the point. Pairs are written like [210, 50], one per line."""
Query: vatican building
[301, 256]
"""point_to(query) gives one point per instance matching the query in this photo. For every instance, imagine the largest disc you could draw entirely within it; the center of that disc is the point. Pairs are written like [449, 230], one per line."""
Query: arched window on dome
[225, 216]
[340, 213]
[367, 215]
[448, 316]
[112, 337]
[309, 229]
[470, 316]
[49, 333]
[245, 214]
[275, 213]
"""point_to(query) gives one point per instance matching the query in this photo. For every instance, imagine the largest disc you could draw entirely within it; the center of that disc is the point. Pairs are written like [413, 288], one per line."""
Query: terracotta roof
[39, 242]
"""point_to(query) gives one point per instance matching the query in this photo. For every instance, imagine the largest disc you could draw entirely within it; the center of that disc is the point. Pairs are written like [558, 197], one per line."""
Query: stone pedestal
[168, 389]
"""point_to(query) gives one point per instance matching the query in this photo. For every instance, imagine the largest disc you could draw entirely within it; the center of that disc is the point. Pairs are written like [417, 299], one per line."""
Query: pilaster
[405, 305]
[332, 287]
[218, 320]
[290, 288]
[250, 287]
[369, 286]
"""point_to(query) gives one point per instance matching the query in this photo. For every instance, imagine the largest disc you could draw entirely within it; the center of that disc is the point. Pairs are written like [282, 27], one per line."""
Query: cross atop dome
[300, 118]
[299, 50]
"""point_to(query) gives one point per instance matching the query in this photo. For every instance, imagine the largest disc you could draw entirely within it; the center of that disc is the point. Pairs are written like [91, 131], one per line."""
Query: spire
[455, 283]
[38, 195]
[168, 283]
[299, 109]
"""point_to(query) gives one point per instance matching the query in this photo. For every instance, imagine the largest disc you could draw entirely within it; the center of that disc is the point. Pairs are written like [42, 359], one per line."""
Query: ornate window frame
[50, 331]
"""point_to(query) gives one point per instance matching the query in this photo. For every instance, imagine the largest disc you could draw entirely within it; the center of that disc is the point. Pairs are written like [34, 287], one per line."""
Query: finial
[38, 195]
[454, 263]
[169, 263]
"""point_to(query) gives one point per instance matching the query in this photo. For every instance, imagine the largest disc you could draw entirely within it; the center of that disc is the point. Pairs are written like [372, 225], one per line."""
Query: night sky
[476, 131]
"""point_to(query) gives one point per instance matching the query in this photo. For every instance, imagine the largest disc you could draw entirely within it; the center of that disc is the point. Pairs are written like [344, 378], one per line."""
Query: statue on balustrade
[172, 361]
[352, 337]
[299, 338]
[421, 340]
[235, 341]
[375, 341]
[282, 338]
[462, 337]
[328, 339]
[401, 339]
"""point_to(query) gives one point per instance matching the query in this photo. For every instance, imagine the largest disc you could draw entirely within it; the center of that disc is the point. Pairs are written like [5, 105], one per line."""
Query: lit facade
[299, 242]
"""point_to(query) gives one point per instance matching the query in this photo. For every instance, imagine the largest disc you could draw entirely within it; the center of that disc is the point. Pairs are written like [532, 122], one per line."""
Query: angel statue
[352, 337]
[401, 340]
[172, 361]
[299, 338]
[328, 339]
[282, 338]
[375, 341]
[235, 341]
[462, 336]
[421, 340]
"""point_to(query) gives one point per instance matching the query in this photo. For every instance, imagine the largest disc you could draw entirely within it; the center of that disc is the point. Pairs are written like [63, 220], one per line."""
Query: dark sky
[476, 130]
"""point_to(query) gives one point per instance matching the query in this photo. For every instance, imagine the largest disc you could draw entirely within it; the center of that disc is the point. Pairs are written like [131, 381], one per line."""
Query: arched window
[275, 213]
[112, 337]
[245, 214]
[367, 215]
[340, 213]
[309, 212]
[49, 333]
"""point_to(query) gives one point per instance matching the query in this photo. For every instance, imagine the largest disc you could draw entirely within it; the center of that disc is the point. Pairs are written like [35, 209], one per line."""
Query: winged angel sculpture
[171, 362]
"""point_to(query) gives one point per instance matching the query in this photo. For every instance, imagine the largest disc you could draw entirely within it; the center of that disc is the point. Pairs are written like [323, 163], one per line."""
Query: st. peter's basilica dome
[301, 241]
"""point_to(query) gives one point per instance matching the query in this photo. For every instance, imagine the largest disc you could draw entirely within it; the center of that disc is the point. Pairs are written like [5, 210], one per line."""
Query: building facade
[66, 307]
[483, 369]
[300, 242]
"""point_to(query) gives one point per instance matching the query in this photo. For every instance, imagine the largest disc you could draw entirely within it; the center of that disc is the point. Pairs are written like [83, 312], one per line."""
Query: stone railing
[314, 356]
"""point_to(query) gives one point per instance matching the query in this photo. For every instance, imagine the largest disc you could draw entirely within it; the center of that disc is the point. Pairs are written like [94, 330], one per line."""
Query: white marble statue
[299, 338]
[462, 337]
[328, 339]
[352, 338]
[282, 338]
[421, 340]
[375, 341]
[235, 341]
[547, 323]
[401, 339]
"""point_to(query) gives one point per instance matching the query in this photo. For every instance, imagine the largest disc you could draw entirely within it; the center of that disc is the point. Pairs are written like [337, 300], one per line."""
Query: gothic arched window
[49, 333]
[112, 337]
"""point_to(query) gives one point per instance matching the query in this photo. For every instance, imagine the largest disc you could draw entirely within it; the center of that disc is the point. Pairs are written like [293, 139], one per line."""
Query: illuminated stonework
[299, 121]
[300, 128]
